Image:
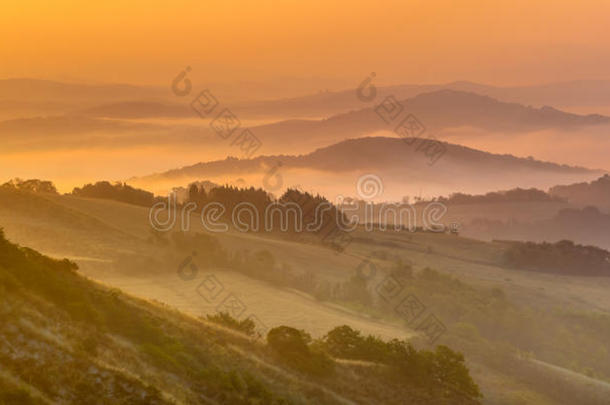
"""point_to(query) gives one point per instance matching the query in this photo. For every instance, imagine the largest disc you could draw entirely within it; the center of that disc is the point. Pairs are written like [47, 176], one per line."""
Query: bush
[246, 326]
[345, 342]
[118, 192]
[293, 347]
[563, 257]
[442, 370]
[32, 185]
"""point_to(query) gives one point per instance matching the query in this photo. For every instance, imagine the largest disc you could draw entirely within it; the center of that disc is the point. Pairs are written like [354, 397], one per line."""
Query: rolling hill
[401, 167]
[439, 109]
[48, 90]
[124, 100]
[66, 339]
[478, 299]
[584, 94]
[595, 193]
[436, 111]
[172, 124]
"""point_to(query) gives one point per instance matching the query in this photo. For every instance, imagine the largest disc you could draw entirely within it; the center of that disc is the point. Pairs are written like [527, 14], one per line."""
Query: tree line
[513, 195]
[563, 257]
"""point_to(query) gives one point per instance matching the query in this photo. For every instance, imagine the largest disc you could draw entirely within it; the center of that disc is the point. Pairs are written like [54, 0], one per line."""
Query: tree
[117, 191]
[343, 342]
[31, 185]
[449, 368]
[293, 347]
[246, 326]
[197, 195]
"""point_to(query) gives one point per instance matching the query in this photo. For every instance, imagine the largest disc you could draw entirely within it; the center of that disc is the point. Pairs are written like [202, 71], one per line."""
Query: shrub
[246, 326]
[32, 185]
[118, 192]
[563, 257]
[442, 370]
[293, 347]
[345, 342]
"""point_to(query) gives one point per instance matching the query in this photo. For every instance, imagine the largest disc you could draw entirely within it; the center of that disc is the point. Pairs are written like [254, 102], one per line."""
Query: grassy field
[66, 339]
[110, 242]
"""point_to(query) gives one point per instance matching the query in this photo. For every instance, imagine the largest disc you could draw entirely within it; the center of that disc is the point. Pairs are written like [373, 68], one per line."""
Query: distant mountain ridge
[37, 89]
[595, 193]
[437, 111]
[440, 109]
[107, 98]
[390, 158]
[362, 152]
[139, 109]
[584, 93]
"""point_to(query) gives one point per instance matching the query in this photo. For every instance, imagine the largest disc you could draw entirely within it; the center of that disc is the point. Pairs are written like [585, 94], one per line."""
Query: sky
[330, 42]
[279, 48]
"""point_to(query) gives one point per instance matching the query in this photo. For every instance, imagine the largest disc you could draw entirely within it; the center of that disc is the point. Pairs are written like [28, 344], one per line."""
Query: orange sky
[498, 42]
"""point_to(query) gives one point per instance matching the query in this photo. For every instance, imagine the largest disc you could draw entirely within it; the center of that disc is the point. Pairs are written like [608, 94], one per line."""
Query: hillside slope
[397, 162]
[585, 93]
[589, 94]
[491, 312]
[66, 339]
[595, 193]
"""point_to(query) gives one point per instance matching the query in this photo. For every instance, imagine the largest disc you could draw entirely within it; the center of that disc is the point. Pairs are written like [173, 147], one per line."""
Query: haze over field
[305, 202]
[137, 131]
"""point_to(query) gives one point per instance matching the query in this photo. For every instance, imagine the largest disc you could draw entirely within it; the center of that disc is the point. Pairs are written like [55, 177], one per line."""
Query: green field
[520, 331]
